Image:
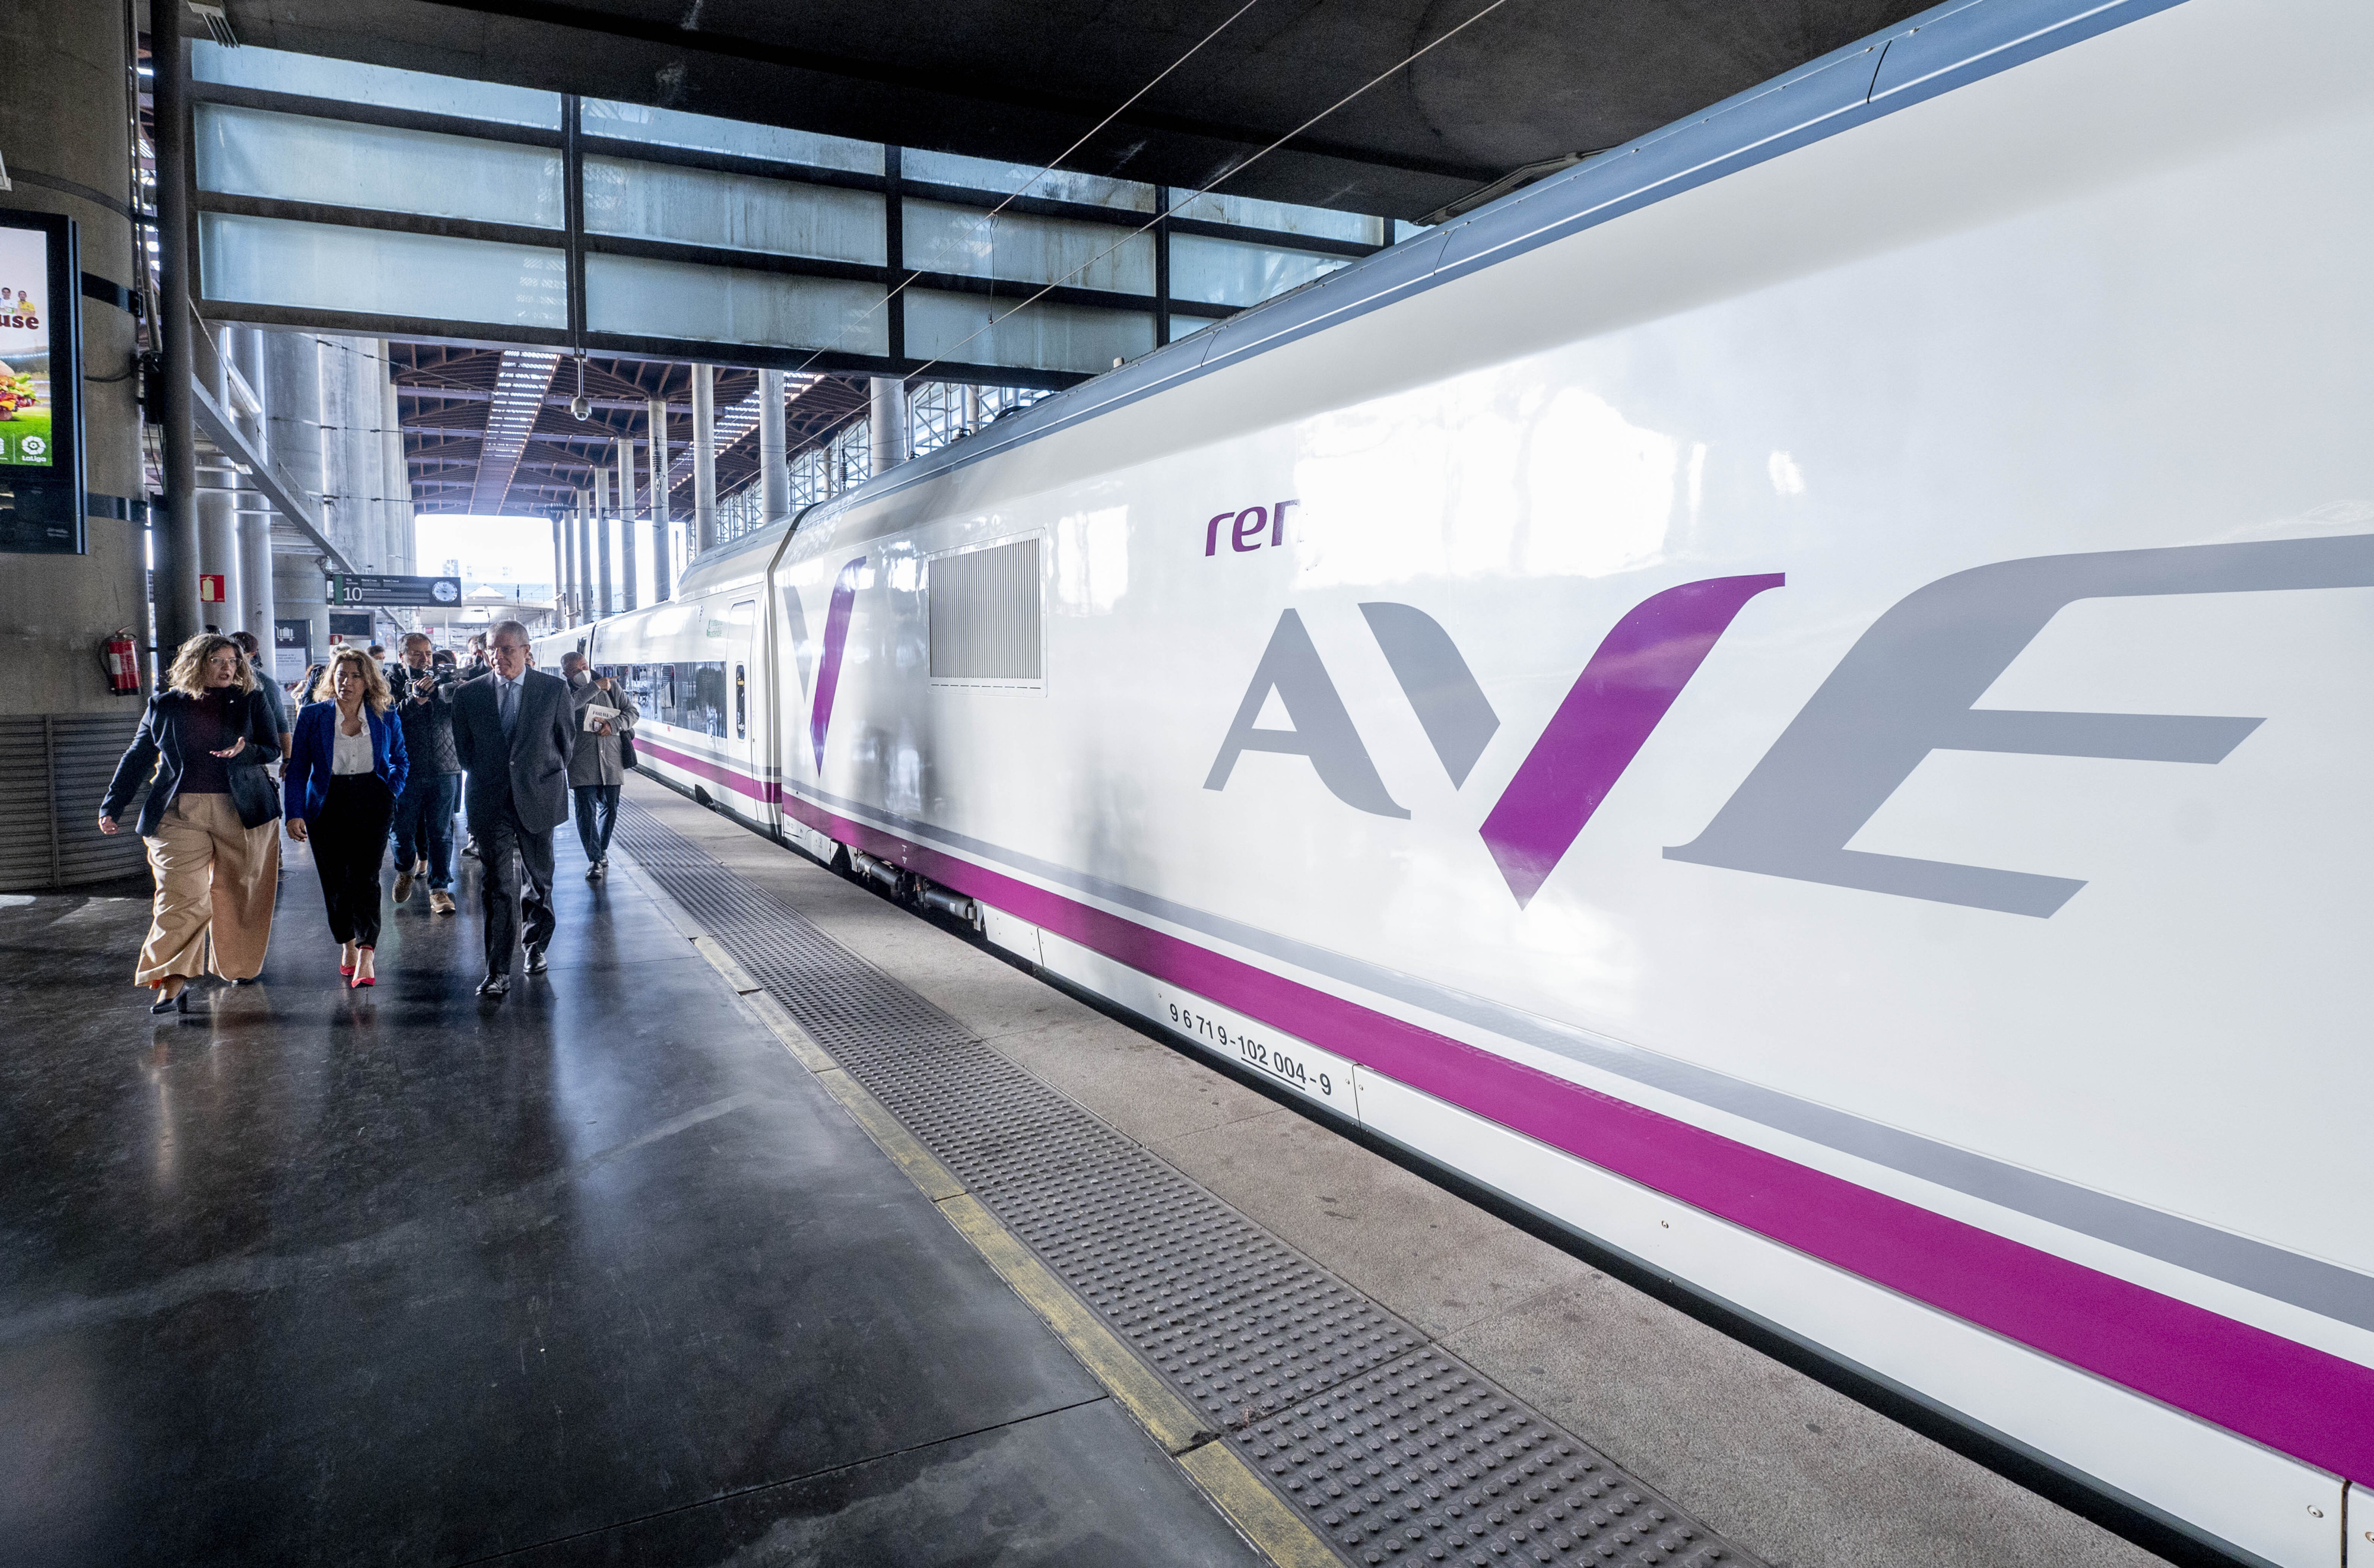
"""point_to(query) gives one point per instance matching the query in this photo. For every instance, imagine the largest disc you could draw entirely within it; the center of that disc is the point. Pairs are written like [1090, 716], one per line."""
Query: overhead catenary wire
[1049, 168]
[1231, 173]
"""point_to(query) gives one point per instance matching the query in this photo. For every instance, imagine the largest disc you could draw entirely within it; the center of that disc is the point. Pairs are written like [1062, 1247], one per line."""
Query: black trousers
[597, 813]
[349, 840]
[506, 849]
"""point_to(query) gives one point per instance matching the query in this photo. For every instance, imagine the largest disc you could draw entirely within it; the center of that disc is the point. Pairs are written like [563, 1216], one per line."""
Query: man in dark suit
[514, 728]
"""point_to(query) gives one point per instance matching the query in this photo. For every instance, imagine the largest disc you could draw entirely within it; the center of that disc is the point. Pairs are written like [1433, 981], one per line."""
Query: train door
[746, 715]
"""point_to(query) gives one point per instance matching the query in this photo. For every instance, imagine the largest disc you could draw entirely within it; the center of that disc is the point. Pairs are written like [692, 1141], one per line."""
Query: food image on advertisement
[25, 399]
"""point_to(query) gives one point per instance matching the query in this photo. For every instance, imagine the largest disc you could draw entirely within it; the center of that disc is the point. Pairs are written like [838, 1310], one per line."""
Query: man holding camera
[424, 812]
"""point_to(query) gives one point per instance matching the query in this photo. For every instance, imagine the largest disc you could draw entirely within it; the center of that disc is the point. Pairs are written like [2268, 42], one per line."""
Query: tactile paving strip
[1392, 1446]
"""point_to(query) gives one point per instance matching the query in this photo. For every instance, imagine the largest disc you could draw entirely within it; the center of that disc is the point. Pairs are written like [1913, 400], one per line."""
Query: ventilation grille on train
[984, 608]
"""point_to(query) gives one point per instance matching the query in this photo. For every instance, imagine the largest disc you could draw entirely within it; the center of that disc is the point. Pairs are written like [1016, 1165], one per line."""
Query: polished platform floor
[596, 1275]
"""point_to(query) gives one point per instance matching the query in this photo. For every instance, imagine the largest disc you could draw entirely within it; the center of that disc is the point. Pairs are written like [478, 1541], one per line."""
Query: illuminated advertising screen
[41, 498]
[27, 408]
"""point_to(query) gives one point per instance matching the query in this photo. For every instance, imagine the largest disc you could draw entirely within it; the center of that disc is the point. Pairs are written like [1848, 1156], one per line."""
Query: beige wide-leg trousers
[218, 878]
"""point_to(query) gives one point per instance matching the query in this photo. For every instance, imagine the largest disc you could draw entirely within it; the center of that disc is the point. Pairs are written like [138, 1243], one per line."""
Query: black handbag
[625, 749]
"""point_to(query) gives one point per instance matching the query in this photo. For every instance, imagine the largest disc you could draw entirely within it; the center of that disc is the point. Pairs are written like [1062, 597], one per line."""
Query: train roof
[1946, 47]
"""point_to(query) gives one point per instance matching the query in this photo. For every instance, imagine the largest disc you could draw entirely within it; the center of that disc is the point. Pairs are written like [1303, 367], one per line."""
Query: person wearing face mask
[515, 729]
[605, 715]
[207, 822]
[424, 812]
[341, 781]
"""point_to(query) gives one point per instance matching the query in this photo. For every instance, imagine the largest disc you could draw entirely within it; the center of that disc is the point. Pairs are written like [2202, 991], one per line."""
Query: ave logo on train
[1907, 687]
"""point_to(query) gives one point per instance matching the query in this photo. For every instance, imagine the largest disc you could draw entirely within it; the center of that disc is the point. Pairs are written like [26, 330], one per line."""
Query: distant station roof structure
[489, 431]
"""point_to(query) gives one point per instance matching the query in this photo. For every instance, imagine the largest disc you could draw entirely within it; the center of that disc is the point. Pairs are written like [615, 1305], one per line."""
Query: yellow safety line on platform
[906, 1150]
[1249, 1503]
[1161, 1411]
[1275, 1529]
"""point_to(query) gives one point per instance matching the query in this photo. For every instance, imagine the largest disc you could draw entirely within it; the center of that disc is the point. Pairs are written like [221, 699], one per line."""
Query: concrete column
[292, 424]
[663, 563]
[292, 406]
[176, 535]
[602, 515]
[255, 604]
[971, 408]
[704, 459]
[564, 566]
[300, 590]
[774, 477]
[584, 557]
[397, 472]
[626, 551]
[887, 408]
[65, 112]
[343, 519]
[218, 515]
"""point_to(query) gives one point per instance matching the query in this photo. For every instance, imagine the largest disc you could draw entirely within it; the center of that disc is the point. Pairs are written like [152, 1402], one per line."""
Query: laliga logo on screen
[1905, 688]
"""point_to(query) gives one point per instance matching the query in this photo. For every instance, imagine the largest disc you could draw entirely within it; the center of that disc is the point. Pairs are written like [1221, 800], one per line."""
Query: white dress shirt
[349, 753]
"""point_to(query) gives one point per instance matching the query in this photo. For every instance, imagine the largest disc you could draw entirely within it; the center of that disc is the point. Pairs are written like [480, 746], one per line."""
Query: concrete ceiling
[1535, 81]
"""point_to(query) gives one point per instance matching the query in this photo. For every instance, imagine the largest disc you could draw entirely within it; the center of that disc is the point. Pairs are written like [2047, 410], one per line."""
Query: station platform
[779, 1224]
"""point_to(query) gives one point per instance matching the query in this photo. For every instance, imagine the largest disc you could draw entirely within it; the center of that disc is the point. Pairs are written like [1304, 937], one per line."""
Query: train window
[741, 704]
[705, 709]
[689, 696]
[983, 606]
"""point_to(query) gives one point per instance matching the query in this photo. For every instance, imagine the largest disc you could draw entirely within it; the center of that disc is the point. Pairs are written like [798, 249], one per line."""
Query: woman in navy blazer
[346, 767]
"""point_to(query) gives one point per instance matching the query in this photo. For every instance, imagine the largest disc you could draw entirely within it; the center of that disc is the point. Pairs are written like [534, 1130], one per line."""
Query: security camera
[582, 406]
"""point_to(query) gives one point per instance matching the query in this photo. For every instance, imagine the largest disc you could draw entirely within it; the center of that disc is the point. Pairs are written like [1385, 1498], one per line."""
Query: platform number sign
[363, 588]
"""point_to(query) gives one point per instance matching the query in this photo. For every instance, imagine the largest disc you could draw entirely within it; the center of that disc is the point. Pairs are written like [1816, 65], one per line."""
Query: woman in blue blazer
[346, 767]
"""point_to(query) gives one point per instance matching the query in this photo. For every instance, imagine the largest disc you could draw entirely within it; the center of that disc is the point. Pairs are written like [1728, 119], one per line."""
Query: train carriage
[1788, 699]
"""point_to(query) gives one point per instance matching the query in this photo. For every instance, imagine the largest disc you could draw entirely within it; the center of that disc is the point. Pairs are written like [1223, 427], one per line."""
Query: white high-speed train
[1795, 699]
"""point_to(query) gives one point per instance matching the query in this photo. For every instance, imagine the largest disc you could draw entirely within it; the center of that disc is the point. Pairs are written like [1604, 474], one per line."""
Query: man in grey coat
[604, 714]
[515, 728]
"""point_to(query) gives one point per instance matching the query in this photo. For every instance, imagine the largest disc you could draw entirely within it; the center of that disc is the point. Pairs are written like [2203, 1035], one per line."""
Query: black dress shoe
[535, 964]
[495, 985]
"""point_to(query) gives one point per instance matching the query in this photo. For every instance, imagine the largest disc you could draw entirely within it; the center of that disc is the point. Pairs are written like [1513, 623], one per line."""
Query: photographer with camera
[424, 813]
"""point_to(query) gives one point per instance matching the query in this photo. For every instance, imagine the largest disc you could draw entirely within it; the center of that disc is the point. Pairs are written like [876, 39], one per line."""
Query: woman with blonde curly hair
[344, 770]
[207, 820]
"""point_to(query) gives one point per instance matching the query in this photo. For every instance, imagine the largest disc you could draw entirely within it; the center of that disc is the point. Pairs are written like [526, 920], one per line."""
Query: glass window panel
[1230, 272]
[716, 304]
[1319, 222]
[1023, 179]
[1046, 336]
[702, 132]
[659, 201]
[1028, 250]
[276, 70]
[321, 267]
[252, 152]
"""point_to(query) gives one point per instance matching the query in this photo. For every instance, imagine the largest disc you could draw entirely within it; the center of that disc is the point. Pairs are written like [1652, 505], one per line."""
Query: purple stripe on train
[836, 634]
[1641, 668]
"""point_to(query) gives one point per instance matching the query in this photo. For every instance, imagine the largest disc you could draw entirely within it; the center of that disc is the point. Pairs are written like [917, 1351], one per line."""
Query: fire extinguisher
[123, 662]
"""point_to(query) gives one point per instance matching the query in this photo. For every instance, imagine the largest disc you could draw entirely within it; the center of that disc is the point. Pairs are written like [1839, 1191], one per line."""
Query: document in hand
[596, 714]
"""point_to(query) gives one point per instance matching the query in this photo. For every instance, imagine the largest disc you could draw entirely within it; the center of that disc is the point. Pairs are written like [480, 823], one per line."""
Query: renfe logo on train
[1906, 688]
